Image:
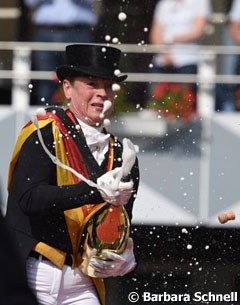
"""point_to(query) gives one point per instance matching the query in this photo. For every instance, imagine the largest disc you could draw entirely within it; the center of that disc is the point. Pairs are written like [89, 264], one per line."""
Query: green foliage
[122, 102]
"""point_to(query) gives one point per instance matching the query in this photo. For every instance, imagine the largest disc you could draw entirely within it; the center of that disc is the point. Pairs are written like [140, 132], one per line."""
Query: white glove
[116, 264]
[112, 189]
[124, 193]
[111, 179]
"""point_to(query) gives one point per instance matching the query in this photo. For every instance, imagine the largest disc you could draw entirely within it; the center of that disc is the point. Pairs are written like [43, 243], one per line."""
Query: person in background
[234, 18]
[48, 207]
[58, 21]
[178, 22]
[14, 288]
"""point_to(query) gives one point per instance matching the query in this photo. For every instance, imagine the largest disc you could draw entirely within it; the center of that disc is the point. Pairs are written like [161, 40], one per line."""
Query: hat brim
[66, 71]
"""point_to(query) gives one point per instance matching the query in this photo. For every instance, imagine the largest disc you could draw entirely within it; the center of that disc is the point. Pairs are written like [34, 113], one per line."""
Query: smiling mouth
[98, 105]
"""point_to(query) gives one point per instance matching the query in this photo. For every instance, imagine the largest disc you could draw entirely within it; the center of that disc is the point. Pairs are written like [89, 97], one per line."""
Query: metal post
[206, 87]
[20, 89]
[206, 107]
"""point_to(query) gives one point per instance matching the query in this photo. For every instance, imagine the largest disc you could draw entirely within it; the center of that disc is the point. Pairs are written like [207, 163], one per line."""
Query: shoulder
[33, 139]
[160, 7]
[55, 109]
[234, 13]
[203, 9]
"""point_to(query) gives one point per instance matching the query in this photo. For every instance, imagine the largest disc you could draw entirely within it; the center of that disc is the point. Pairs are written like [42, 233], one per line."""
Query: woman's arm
[156, 33]
[235, 31]
[195, 33]
[34, 181]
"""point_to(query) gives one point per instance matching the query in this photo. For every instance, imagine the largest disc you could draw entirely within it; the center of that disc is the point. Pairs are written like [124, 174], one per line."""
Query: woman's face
[87, 96]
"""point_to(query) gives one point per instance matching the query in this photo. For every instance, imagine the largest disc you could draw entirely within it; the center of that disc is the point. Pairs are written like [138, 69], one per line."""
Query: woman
[48, 207]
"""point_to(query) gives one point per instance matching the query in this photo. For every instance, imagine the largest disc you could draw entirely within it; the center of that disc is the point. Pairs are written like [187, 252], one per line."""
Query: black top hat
[90, 60]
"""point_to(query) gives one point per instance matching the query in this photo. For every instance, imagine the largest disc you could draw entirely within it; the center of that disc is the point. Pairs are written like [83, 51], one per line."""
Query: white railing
[206, 78]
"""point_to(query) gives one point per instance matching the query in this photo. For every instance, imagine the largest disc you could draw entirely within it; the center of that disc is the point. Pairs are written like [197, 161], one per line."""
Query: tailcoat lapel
[77, 135]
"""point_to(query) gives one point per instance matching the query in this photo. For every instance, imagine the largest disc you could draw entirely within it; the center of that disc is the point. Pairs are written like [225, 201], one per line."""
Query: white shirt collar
[89, 128]
[97, 141]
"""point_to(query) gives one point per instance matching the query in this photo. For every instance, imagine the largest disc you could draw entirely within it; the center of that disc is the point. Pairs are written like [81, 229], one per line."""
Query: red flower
[173, 100]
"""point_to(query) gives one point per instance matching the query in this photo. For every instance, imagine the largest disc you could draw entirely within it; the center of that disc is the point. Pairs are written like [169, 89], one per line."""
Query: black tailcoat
[36, 203]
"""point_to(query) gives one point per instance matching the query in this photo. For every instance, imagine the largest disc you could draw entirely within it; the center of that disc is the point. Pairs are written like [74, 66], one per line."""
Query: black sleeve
[135, 178]
[34, 181]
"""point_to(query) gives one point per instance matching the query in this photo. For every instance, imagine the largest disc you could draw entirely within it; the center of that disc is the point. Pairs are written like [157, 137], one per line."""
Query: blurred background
[187, 128]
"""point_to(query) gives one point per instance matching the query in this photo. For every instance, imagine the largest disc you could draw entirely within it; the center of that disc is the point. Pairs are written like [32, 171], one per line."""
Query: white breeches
[54, 286]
